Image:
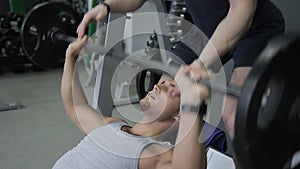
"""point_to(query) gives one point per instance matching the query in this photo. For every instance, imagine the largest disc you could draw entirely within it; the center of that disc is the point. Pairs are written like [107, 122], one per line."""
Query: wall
[290, 10]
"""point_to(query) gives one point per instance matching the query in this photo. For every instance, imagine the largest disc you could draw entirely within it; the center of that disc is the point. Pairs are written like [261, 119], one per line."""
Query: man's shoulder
[113, 119]
[156, 156]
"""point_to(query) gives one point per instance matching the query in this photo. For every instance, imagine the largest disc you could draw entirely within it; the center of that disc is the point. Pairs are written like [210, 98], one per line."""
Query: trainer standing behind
[238, 29]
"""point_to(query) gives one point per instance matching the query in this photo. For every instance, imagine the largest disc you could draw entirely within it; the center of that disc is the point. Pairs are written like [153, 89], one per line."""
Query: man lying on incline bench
[111, 143]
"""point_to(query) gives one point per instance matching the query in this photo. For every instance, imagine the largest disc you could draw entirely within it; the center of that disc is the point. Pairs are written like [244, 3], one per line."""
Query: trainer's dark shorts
[248, 49]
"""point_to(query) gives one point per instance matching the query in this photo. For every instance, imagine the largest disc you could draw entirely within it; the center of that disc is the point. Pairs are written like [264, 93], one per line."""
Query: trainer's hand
[197, 72]
[98, 13]
[192, 93]
[75, 47]
[198, 69]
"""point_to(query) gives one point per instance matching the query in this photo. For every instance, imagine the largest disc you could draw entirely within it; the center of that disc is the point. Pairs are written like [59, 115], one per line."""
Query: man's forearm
[71, 91]
[66, 82]
[79, 97]
[188, 152]
[123, 6]
[66, 90]
[71, 88]
[230, 30]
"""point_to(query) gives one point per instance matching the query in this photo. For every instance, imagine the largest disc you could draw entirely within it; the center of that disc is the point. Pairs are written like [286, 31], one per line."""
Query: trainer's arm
[100, 12]
[123, 6]
[230, 30]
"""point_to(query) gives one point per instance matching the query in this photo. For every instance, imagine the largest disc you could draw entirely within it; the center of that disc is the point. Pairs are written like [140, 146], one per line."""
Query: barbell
[268, 114]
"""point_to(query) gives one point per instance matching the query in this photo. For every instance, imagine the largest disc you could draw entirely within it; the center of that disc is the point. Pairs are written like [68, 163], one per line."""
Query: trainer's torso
[207, 14]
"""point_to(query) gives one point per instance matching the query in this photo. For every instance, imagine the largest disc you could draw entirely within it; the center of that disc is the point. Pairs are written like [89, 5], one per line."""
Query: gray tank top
[107, 147]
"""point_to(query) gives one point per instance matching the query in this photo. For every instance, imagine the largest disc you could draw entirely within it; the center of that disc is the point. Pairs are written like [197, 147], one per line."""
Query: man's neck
[151, 129]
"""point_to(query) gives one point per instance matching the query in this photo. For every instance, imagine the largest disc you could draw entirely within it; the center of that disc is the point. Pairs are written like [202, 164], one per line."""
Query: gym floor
[35, 136]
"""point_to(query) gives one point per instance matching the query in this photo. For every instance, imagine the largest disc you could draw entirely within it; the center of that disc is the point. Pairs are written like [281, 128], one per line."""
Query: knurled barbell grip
[230, 90]
[234, 90]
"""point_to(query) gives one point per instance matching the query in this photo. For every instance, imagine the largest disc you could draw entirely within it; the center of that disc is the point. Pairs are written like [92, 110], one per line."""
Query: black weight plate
[264, 137]
[37, 26]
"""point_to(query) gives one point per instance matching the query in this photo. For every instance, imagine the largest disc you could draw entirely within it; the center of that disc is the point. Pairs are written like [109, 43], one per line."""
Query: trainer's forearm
[230, 30]
[188, 152]
[123, 6]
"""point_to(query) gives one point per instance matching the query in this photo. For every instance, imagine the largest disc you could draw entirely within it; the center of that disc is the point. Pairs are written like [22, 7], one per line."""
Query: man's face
[157, 105]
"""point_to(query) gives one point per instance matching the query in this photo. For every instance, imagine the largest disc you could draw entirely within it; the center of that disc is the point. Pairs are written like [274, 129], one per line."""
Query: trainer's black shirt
[207, 14]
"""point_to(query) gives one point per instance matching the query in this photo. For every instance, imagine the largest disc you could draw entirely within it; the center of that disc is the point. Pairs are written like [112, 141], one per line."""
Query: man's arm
[188, 152]
[66, 86]
[230, 29]
[75, 102]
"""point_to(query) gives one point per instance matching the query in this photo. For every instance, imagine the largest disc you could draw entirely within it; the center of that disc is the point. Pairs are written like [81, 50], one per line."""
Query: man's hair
[158, 74]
